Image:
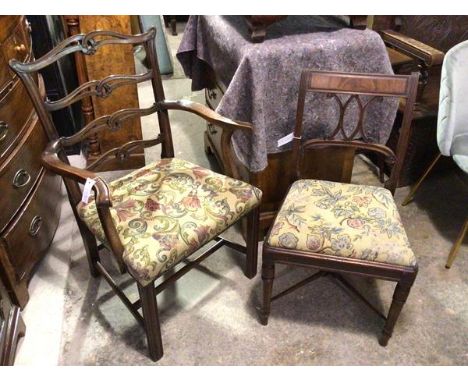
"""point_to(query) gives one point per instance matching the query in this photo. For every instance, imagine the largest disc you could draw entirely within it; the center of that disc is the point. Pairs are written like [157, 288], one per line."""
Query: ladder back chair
[340, 228]
[155, 217]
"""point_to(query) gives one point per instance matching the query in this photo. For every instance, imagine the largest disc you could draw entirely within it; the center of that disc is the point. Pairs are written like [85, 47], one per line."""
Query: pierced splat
[100, 88]
[112, 121]
[348, 89]
[343, 106]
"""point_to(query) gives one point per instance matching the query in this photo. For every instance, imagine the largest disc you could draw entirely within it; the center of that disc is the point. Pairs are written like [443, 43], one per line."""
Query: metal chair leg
[456, 246]
[252, 243]
[415, 188]
[399, 298]
[151, 318]
[268, 275]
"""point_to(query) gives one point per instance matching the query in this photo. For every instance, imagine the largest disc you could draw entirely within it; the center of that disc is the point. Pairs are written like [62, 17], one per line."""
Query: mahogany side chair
[157, 216]
[338, 228]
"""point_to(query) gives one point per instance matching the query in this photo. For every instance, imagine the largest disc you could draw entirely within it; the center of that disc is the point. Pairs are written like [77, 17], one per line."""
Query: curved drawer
[12, 121]
[17, 44]
[20, 171]
[34, 227]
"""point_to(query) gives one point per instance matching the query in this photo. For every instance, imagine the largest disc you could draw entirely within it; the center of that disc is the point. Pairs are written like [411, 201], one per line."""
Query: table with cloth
[260, 82]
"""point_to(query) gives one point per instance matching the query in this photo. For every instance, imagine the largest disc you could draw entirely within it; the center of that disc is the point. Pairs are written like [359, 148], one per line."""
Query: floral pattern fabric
[344, 220]
[167, 210]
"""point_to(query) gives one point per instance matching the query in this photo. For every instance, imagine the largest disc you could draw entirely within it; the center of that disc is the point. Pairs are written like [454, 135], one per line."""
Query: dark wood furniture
[11, 327]
[55, 159]
[59, 78]
[258, 24]
[29, 216]
[116, 59]
[418, 43]
[350, 87]
[332, 163]
[171, 21]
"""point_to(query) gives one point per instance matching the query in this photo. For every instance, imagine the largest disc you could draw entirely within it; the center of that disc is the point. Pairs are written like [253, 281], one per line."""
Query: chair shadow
[134, 335]
[443, 196]
[322, 302]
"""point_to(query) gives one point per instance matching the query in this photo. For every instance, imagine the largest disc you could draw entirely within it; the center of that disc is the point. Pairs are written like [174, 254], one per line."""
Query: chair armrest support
[206, 113]
[228, 126]
[413, 48]
[52, 162]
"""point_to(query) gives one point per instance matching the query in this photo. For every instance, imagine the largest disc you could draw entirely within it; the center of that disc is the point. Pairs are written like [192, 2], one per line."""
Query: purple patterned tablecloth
[262, 79]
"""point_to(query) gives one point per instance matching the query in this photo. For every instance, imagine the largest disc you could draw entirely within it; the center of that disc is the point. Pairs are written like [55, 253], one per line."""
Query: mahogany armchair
[337, 228]
[157, 216]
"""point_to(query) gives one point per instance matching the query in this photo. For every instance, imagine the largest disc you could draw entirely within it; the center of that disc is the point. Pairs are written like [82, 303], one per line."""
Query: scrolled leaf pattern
[167, 210]
[343, 220]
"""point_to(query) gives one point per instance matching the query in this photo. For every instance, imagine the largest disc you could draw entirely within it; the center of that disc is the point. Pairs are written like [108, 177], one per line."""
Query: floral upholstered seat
[167, 210]
[344, 220]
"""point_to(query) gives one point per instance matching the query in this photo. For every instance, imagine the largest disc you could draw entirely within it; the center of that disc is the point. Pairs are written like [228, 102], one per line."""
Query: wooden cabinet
[29, 216]
[112, 59]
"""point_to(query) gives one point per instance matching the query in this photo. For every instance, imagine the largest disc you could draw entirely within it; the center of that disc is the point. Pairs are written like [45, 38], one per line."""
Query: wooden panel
[17, 45]
[7, 26]
[29, 235]
[114, 59]
[355, 83]
[17, 176]
[12, 123]
[20, 149]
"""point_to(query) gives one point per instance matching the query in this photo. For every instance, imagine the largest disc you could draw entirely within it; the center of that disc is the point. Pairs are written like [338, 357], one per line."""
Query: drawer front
[16, 110]
[213, 97]
[6, 75]
[30, 234]
[18, 44]
[19, 173]
[8, 26]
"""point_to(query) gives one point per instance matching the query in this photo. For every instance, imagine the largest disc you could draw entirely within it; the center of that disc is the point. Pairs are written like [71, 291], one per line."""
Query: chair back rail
[346, 89]
[89, 44]
[100, 88]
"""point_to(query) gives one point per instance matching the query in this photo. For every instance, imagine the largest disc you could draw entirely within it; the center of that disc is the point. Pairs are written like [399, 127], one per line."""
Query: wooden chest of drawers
[28, 216]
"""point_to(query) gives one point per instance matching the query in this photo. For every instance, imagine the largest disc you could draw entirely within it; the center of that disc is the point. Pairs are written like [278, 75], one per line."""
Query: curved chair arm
[206, 113]
[228, 126]
[413, 48]
[51, 160]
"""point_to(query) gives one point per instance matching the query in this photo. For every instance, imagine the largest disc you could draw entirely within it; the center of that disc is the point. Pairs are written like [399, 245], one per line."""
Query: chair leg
[399, 298]
[90, 244]
[252, 243]
[415, 188]
[456, 246]
[151, 319]
[268, 275]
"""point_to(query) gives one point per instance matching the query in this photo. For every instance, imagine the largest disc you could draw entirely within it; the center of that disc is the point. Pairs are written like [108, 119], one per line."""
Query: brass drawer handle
[3, 130]
[21, 178]
[35, 226]
[20, 48]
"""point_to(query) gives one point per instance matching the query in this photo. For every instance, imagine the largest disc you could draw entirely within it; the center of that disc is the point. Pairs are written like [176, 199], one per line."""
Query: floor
[210, 316]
